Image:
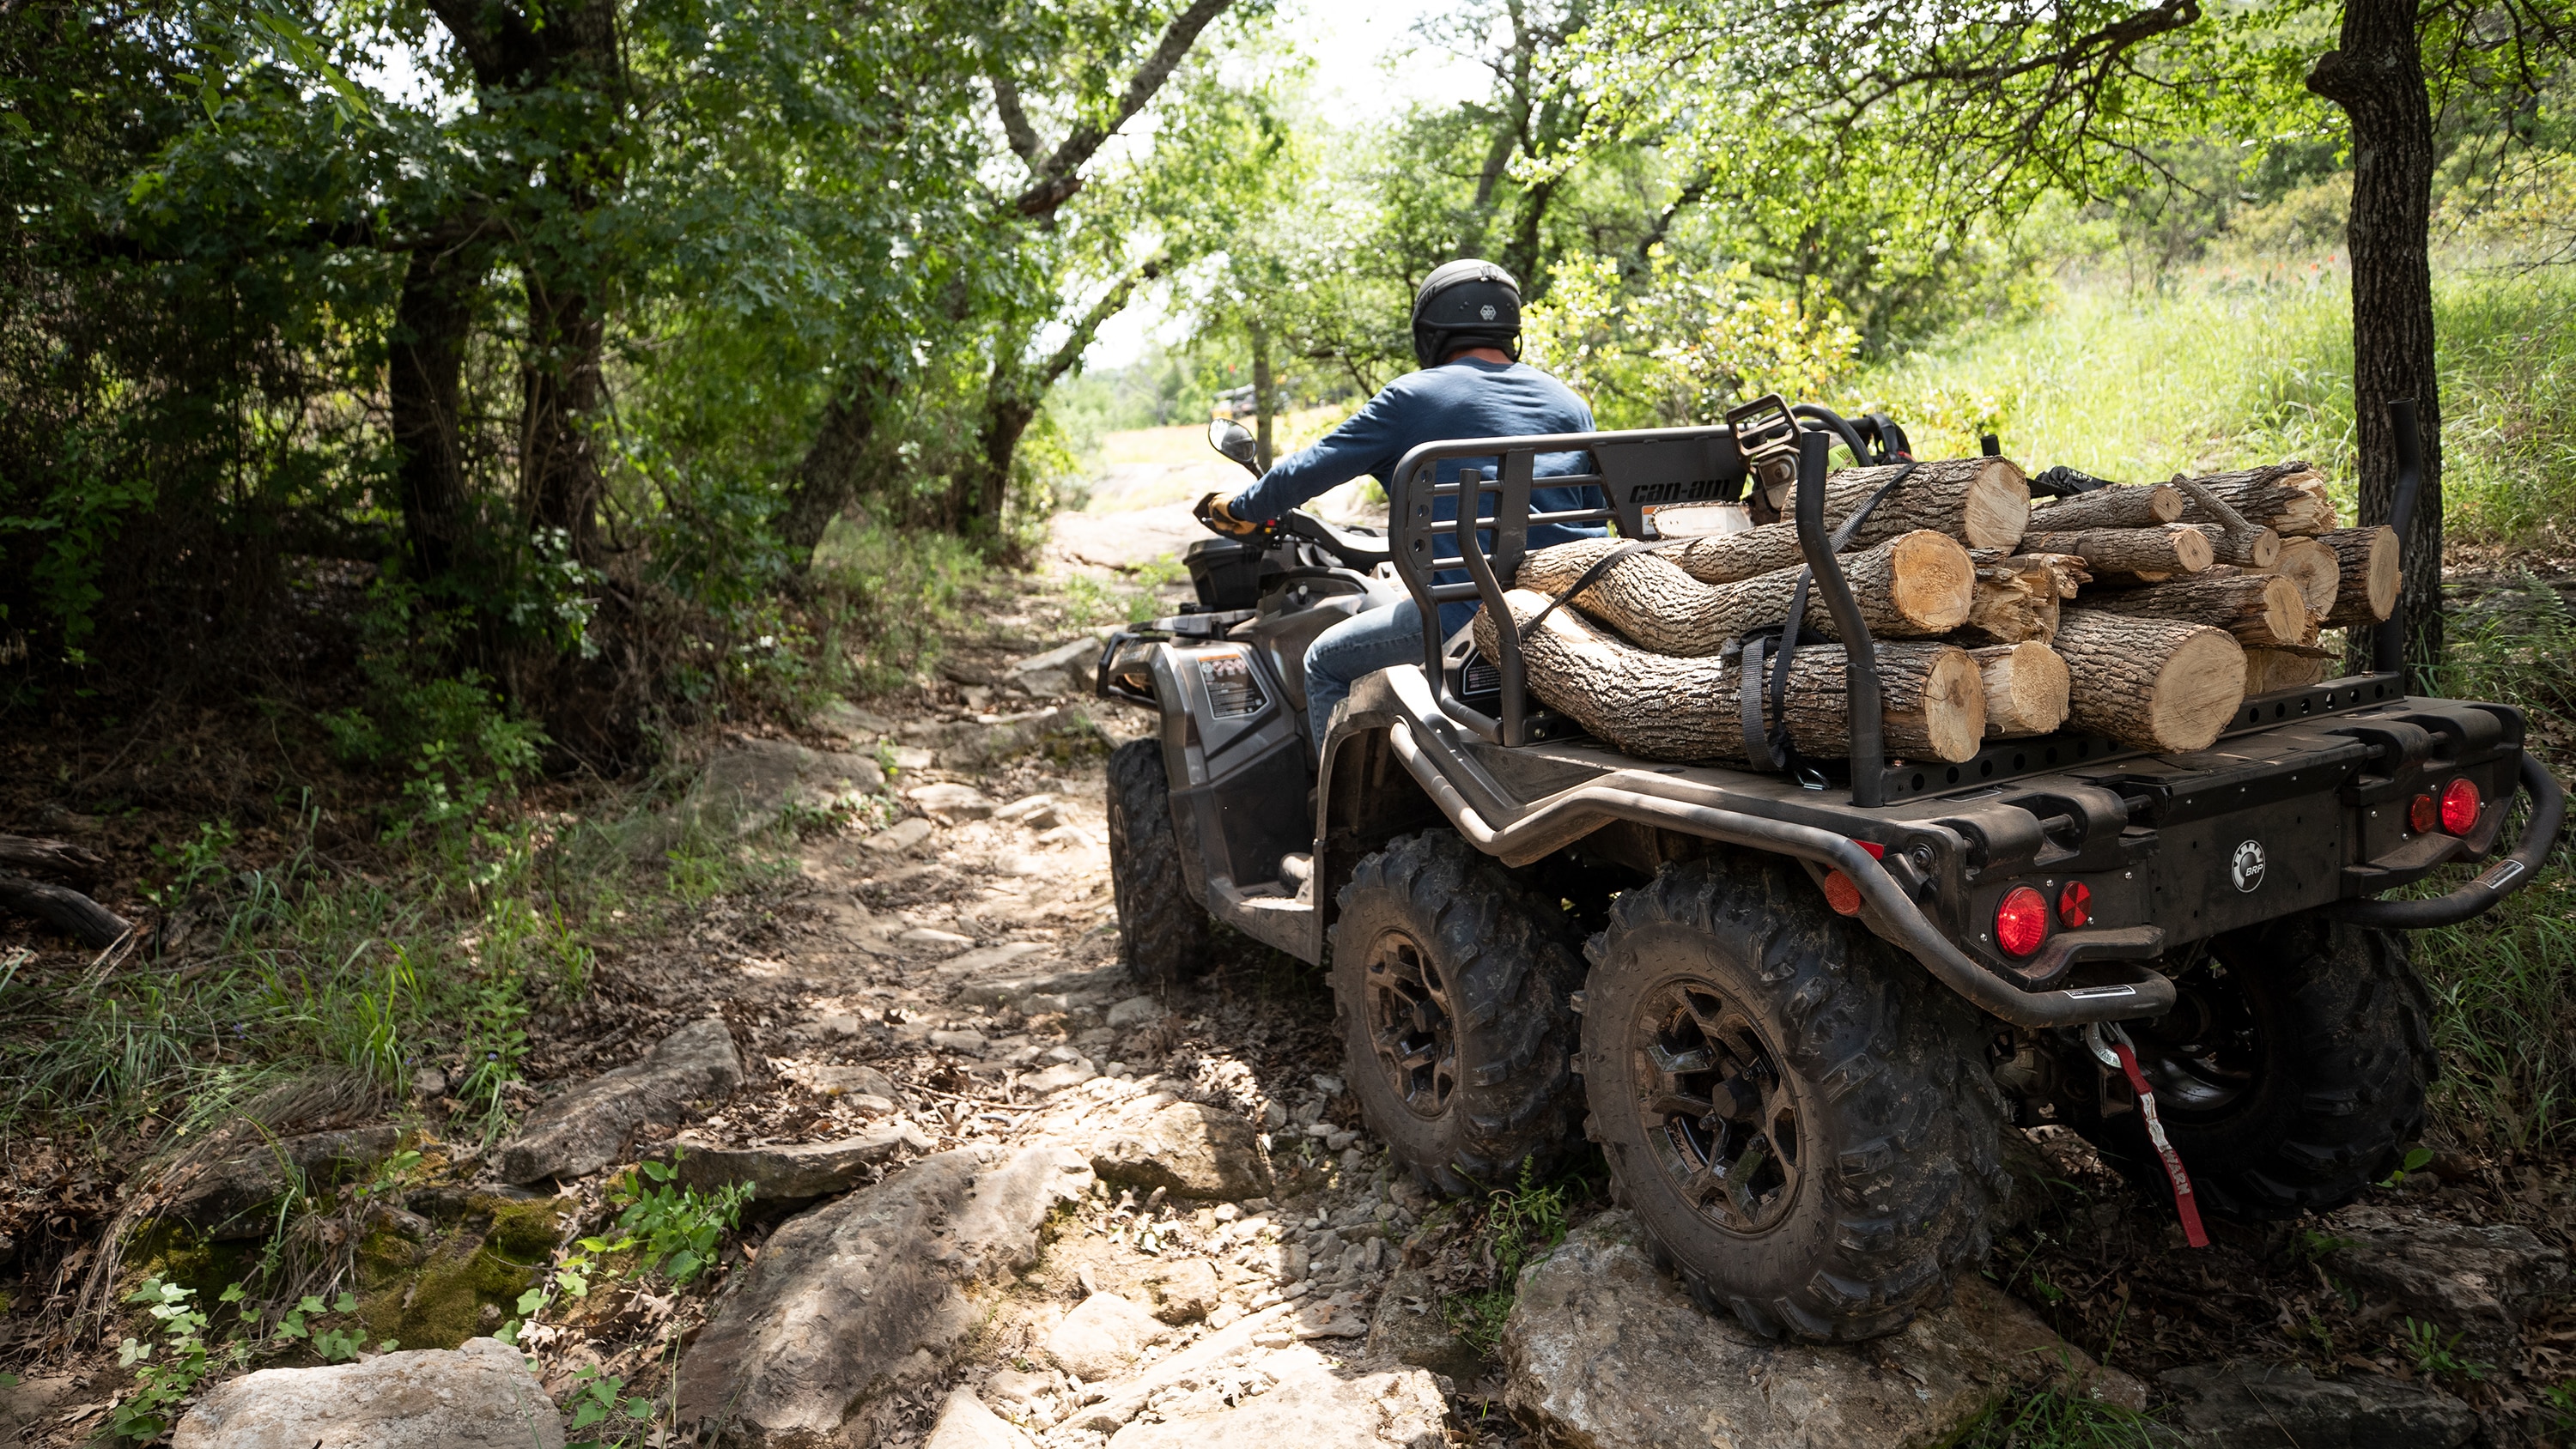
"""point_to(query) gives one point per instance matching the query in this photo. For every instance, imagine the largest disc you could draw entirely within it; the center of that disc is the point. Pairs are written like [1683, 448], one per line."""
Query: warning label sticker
[1233, 692]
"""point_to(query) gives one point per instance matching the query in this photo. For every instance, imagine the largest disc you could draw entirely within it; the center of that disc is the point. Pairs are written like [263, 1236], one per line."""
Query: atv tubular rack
[1636, 472]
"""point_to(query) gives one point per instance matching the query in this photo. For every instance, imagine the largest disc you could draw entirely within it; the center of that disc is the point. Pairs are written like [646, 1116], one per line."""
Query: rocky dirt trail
[1000, 1194]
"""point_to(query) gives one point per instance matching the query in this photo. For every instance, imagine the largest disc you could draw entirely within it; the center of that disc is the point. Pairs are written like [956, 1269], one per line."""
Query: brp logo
[1489, 311]
[2247, 869]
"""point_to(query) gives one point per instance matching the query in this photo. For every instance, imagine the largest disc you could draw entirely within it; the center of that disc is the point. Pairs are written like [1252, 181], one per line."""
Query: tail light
[2423, 813]
[2021, 922]
[2460, 805]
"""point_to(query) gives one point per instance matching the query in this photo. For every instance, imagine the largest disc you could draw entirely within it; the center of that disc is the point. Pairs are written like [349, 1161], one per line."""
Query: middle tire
[1801, 1121]
[1449, 994]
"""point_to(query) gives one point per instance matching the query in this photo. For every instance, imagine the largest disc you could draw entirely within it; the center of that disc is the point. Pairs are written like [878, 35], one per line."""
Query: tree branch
[1111, 303]
[1015, 121]
[1056, 179]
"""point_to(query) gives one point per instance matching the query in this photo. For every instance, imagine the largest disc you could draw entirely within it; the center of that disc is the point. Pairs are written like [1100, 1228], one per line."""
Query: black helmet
[1466, 304]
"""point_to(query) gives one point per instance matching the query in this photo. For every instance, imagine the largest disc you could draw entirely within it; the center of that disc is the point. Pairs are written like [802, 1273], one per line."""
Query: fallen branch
[63, 908]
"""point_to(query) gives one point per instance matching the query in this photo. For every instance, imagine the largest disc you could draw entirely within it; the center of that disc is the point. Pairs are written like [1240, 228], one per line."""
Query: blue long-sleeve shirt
[1466, 398]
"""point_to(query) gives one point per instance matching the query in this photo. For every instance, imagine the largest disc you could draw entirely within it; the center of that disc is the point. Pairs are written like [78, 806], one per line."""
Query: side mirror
[1234, 440]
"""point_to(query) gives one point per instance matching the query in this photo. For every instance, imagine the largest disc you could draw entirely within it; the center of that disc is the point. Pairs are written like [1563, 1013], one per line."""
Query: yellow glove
[1213, 512]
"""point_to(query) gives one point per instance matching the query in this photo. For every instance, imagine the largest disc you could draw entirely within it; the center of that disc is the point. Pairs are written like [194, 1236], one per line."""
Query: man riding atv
[1467, 335]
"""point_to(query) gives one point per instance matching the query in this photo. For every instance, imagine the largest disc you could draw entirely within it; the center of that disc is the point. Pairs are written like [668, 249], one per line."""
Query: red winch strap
[2183, 1203]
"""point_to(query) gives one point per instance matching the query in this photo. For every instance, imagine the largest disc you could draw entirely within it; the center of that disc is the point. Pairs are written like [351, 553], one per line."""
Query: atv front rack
[1636, 473]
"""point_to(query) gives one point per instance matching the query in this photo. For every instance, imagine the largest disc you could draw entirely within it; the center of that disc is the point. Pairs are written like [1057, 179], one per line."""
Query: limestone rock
[899, 837]
[1193, 1149]
[846, 1297]
[964, 1423]
[2478, 1282]
[590, 1126]
[746, 786]
[231, 1198]
[1060, 1076]
[804, 1170]
[987, 958]
[1041, 991]
[948, 802]
[974, 744]
[28, 1400]
[1184, 1290]
[480, 1396]
[1134, 1012]
[1409, 1328]
[1606, 1351]
[1102, 1337]
[1065, 669]
[838, 1079]
[1314, 1404]
[2246, 1404]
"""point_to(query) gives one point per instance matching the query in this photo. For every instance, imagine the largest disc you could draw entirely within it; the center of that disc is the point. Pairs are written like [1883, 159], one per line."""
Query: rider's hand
[1212, 510]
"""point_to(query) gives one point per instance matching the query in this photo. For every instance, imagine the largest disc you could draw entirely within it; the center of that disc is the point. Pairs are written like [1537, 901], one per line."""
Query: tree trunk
[558, 469]
[827, 480]
[2376, 74]
[1261, 397]
[983, 489]
[2151, 684]
[425, 365]
[2173, 548]
[1912, 587]
[1688, 709]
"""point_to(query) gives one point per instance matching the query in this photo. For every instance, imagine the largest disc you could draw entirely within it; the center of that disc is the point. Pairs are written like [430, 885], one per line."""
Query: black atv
[1797, 1010]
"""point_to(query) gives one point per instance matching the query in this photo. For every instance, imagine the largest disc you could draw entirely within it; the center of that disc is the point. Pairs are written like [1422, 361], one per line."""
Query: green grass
[2235, 366]
[2053, 1419]
[891, 598]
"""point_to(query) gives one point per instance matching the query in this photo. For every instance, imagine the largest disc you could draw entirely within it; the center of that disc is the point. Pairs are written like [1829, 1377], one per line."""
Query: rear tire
[1162, 934]
[1449, 994]
[1801, 1121]
[2290, 1076]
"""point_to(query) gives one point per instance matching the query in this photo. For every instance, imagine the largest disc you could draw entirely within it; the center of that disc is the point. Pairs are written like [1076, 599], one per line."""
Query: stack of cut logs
[2142, 613]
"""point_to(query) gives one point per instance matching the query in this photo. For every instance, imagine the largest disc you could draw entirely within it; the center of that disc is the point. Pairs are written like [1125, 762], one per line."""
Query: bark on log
[65, 909]
[2367, 575]
[2174, 548]
[1982, 502]
[1666, 708]
[2018, 595]
[2313, 569]
[2259, 609]
[2122, 505]
[1916, 586]
[2289, 498]
[2254, 548]
[1730, 558]
[2026, 689]
[2269, 669]
[58, 858]
[2152, 684]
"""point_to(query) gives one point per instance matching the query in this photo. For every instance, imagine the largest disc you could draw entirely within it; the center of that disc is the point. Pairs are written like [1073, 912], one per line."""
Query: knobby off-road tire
[2290, 1075]
[1732, 1021]
[1449, 993]
[1162, 933]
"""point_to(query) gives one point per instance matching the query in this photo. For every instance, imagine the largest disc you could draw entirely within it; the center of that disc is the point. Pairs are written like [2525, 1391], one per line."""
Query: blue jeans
[1358, 646]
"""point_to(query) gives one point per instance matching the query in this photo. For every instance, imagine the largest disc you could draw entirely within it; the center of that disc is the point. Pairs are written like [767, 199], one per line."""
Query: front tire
[1801, 1122]
[2290, 1075]
[1449, 994]
[1162, 934]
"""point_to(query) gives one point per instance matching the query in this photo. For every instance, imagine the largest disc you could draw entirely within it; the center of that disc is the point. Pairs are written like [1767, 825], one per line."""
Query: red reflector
[2021, 922]
[2460, 805]
[1841, 894]
[2422, 814]
[1876, 850]
[2075, 904]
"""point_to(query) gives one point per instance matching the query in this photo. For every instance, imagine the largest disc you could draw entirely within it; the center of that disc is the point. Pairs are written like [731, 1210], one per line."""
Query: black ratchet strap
[1770, 750]
[1592, 575]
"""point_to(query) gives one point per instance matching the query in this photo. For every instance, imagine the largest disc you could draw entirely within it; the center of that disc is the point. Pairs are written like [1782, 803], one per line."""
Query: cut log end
[1935, 584]
[2196, 693]
[1953, 707]
[2367, 575]
[1998, 511]
[2168, 685]
[2025, 686]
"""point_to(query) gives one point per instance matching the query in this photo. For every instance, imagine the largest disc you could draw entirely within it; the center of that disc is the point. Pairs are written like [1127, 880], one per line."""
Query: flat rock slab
[1038, 991]
[746, 786]
[231, 1198]
[2246, 1404]
[1604, 1350]
[1102, 1337]
[964, 1423]
[480, 1396]
[848, 1299]
[2478, 1282]
[1194, 1150]
[1409, 1328]
[1314, 1403]
[580, 1131]
[989, 958]
[802, 1171]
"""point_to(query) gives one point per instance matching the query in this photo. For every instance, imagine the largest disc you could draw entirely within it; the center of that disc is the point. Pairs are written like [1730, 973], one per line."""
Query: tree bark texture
[828, 477]
[2172, 548]
[65, 909]
[425, 367]
[2260, 609]
[1982, 502]
[1261, 396]
[2026, 688]
[2250, 548]
[1915, 587]
[2288, 498]
[2018, 595]
[1666, 708]
[2376, 75]
[2122, 505]
[2368, 574]
[58, 858]
[2151, 684]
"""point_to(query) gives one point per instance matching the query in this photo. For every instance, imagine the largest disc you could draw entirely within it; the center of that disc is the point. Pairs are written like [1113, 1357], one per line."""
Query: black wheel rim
[1411, 1029]
[2205, 1055]
[1720, 1119]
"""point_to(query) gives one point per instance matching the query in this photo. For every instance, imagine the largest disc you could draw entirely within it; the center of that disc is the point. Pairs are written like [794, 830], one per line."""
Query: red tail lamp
[2422, 814]
[2075, 904]
[2460, 805]
[2021, 922]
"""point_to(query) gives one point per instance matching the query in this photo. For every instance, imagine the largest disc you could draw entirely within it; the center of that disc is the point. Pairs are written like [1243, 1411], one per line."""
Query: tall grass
[2229, 367]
